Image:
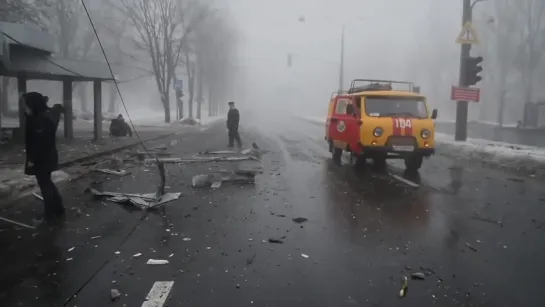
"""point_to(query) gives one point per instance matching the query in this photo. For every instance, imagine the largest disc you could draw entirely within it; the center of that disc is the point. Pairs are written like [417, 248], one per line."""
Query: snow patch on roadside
[525, 159]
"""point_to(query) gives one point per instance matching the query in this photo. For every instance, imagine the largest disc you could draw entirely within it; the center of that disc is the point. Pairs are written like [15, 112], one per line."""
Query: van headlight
[425, 133]
[378, 132]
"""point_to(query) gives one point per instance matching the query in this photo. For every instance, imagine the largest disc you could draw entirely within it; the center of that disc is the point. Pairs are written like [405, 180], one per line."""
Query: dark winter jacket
[40, 136]
[233, 118]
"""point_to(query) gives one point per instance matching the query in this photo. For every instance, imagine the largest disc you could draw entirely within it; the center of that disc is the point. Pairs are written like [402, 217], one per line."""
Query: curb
[111, 151]
[5, 203]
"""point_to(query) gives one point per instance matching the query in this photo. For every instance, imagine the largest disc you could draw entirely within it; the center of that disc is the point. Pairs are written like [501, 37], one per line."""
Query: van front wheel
[413, 163]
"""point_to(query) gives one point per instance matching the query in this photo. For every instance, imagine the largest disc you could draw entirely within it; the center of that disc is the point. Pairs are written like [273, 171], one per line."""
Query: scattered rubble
[144, 201]
[299, 220]
[115, 294]
[157, 262]
[418, 275]
[304, 256]
[276, 241]
[404, 287]
[471, 247]
[112, 172]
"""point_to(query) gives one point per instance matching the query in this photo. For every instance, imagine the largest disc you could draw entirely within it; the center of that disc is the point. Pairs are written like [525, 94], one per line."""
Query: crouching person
[118, 127]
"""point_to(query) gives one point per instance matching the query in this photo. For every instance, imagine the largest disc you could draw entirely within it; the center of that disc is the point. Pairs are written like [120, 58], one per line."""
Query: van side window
[341, 106]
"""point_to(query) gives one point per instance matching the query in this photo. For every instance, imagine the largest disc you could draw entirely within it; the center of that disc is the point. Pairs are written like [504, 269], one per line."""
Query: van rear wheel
[413, 163]
[337, 154]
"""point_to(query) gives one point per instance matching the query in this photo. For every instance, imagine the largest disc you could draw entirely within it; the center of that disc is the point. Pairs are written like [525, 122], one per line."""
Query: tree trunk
[166, 106]
[199, 86]
[191, 90]
[210, 108]
[113, 98]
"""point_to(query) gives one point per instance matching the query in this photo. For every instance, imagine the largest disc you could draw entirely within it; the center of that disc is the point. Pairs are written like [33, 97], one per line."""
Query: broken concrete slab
[112, 172]
[204, 180]
[143, 201]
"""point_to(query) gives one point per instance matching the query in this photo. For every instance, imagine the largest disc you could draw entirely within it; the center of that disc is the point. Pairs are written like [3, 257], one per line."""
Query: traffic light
[289, 59]
[472, 70]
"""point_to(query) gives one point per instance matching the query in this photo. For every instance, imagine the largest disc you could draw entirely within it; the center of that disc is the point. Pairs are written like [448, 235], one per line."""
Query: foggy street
[473, 233]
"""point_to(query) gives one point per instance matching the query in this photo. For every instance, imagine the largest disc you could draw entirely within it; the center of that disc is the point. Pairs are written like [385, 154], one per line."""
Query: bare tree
[532, 47]
[214, 46]
[160, 29]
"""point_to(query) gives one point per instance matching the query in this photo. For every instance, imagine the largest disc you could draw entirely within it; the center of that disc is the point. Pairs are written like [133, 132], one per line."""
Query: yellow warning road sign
[468, 35]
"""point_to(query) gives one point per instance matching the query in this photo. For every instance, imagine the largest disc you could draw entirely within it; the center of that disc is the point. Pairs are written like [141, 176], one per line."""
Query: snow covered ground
[529, 160]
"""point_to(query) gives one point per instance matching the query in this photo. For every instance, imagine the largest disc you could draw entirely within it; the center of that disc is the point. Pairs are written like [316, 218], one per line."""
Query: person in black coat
[119, 127]
[233, 119]
[42, 157]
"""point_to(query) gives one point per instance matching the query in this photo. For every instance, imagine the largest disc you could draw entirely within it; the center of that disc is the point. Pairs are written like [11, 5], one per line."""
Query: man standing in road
[233, 118]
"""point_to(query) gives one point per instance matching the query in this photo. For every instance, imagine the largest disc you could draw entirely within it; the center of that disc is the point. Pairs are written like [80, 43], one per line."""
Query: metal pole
[462, 106]
[341, 69]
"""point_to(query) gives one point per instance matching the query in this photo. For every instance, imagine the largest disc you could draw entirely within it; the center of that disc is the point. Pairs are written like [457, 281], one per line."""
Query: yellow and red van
[376, 122]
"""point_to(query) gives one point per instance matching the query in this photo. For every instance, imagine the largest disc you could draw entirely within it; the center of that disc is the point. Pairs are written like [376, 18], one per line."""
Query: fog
[237, 50]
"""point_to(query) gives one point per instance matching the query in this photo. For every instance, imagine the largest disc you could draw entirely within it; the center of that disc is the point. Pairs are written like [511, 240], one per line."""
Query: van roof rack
[377, 85]
[337, 93]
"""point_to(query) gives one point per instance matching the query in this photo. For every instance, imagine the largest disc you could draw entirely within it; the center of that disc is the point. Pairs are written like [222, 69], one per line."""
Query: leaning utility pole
[462, 106]
[341, 69]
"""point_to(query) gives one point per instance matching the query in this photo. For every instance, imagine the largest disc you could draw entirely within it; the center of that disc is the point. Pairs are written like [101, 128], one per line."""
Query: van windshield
[395, 106]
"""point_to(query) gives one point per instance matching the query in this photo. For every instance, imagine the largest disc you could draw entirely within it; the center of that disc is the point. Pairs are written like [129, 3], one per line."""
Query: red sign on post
[465, 94]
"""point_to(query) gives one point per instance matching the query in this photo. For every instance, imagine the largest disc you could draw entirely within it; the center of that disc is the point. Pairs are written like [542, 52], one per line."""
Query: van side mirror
[434, 114]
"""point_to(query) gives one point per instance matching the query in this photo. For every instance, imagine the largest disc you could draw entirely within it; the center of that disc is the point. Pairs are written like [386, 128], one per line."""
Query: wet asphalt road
[476, 233]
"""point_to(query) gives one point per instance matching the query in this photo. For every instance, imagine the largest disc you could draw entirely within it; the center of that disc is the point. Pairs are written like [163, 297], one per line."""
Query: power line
[112, 73]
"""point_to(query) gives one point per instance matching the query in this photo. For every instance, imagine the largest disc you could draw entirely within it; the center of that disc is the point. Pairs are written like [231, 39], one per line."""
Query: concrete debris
[276, 241]
[186, 239]
[219, 152]
[216, 185]
[304, 256]
[71, 249]
[404, 287]
[115, 294]
[16, 223]
[471, 247]
[137, 255]
[201, 159]
[418, 275]
[143, 201]
[112, 172]
[203, 180]
[299, 220]
[38, 196]
[157, 262]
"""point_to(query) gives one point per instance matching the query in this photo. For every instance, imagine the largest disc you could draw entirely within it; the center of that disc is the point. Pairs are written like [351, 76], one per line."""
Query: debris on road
[186, 239]
[71, 249]
[418, 275]
[299, 220]
[38, 196]
[471, 247]
[276, 241]
[157, 261]
[16, 223]
[95, 237]
[115, 294]
[112, 172]
[137, 255]
[251, 260]
[304, 256]
[144, 201]
[404, 287]
[212, 180]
